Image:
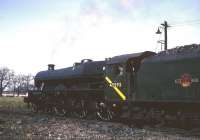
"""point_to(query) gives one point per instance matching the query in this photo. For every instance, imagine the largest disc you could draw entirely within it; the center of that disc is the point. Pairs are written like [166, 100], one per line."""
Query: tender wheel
[80, 109]
[103, 112]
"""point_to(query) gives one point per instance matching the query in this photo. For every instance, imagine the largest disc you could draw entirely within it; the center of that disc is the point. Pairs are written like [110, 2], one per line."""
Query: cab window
[118, 70]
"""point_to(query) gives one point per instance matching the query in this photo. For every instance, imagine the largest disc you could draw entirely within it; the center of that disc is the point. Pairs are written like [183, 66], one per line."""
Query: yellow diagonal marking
[120, 93]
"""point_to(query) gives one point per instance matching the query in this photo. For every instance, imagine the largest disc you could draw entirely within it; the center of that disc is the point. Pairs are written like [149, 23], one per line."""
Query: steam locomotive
[155, 87]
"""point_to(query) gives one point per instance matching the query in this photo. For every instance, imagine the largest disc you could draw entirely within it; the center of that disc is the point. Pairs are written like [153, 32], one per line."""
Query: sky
[35, 33]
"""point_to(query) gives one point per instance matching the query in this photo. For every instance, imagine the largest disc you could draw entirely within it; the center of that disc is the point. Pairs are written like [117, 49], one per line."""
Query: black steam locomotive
[148, 86]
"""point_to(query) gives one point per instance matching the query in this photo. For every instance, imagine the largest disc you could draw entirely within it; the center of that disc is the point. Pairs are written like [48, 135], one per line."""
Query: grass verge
[12, 103]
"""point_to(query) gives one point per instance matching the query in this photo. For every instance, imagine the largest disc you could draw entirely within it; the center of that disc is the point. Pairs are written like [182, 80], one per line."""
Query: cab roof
[124, 58]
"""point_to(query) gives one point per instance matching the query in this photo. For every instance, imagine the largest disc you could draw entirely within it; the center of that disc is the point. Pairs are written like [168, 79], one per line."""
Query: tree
[14, 83]
[27, 79]
[22, 83]
[6, 76]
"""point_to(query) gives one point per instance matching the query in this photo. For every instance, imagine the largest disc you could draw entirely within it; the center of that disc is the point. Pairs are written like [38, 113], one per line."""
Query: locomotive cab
[120, 74]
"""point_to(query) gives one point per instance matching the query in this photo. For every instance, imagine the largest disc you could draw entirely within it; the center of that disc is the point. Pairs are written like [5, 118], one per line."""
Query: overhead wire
[185, 23]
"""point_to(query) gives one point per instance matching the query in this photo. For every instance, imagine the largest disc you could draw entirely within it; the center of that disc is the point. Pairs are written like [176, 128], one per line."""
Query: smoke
[97, 25]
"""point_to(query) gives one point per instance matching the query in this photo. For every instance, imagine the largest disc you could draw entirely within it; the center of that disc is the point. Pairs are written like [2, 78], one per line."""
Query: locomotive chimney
[51, 66]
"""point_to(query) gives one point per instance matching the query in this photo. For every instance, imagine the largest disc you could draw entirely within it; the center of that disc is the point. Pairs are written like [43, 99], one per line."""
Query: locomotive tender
[146, 85]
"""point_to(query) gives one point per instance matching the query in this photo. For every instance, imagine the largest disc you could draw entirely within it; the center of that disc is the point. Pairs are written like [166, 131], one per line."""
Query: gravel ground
[17, 122]
[22, 124]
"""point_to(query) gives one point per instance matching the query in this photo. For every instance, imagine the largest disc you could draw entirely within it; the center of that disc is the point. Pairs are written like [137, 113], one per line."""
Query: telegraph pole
[164, 26]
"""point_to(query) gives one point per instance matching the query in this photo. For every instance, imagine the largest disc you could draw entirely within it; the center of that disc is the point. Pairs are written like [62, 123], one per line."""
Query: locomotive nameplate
[186, 80]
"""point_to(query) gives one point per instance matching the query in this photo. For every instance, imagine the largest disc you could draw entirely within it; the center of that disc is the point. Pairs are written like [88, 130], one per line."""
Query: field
[18, 122]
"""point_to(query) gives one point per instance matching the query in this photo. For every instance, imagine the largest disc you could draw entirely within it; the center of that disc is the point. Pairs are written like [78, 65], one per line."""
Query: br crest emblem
[186, 80]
